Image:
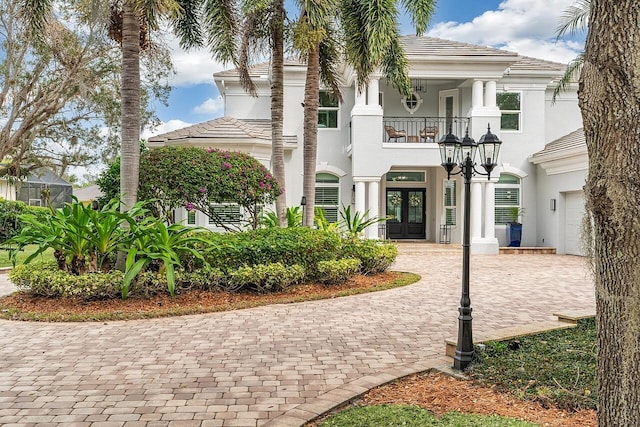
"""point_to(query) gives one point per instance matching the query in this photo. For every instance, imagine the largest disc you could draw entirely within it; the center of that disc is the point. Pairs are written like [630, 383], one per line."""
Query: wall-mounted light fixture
[552, 205]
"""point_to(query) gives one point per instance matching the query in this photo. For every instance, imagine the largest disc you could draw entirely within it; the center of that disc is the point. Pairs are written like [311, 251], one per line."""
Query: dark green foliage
[556, 367]
[298, 245]
[375, 256]
[10, 224]
[338, 271]
[414, 416]
[109, 183]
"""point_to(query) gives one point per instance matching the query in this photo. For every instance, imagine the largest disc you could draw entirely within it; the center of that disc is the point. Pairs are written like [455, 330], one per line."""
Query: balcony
[421, 129]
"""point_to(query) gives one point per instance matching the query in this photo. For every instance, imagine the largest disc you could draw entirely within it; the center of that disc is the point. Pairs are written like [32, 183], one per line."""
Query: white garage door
[574, 212]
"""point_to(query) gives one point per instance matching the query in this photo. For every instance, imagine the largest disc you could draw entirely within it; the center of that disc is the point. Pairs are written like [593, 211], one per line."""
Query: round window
[412, 102]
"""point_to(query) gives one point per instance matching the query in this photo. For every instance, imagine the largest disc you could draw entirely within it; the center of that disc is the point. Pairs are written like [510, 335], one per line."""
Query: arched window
[508, 198]
[328, 195]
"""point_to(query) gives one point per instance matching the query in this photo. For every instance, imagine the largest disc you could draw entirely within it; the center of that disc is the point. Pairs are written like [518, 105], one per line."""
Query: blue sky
[523, 26]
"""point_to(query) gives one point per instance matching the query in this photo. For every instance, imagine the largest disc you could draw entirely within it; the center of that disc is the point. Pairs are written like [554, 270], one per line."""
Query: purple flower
[210, 150]
[202, 190]
[189, 206]
[226, 165]
[268, 176]
[262, 184]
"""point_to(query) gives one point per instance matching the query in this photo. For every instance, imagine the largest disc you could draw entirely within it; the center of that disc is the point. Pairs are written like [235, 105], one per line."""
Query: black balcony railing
[422, 129]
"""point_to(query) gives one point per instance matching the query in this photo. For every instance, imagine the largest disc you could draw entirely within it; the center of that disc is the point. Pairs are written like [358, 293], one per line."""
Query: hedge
[10, 225]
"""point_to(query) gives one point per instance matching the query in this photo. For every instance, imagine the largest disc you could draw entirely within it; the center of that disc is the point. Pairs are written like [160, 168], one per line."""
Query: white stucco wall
[550, 223]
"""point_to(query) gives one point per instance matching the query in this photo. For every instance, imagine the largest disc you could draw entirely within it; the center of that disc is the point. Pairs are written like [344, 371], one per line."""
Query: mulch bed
[441, 393]
[22, 306]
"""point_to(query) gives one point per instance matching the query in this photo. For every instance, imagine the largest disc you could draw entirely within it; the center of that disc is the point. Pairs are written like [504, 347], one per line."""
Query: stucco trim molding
[507, 168]
[326, 167]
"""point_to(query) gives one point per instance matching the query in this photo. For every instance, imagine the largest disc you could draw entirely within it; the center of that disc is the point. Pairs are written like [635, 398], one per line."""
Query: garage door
[574, 212]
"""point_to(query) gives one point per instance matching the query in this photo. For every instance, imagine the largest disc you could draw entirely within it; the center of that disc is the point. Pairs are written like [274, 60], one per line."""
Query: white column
[372, 207]
[360, 196]
[490, 94]
[476, 94]
[489, 210]
[476, 212]
[372, 92]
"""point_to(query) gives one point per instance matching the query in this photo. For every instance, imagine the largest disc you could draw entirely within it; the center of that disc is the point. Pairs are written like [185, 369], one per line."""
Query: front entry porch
[406, 207]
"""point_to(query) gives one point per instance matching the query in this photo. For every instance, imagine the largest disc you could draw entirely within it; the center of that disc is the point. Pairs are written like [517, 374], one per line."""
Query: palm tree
[239, 31]
[370, 42]
[574, 19]
[130, 24]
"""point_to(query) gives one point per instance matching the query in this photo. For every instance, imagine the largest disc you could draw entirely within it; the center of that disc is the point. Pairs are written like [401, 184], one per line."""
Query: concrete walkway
[278, 365]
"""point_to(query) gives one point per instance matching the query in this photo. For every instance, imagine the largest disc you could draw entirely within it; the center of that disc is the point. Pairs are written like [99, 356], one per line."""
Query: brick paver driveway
[275, 365]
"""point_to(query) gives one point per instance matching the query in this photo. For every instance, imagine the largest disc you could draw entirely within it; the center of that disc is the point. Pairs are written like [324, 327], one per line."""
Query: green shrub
[338, 271]
[375, 256]
[151, 283]
[46, 280]
[288, 246]
[10, 224]
[265, 277]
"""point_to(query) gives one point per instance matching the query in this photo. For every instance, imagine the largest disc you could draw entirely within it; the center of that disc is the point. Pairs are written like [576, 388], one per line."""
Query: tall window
[328, 195]
[510, 109]
[191, 217]
[328, 110]
[450, 201]
[507, 198]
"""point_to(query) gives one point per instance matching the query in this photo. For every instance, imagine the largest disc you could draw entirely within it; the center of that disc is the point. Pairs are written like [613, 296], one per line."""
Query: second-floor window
[328, 110]
[510, 109]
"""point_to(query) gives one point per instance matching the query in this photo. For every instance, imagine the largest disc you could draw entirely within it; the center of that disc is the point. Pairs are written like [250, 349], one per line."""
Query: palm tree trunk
[130, 87]
[277, 108]
[311, 102]
[609, 98]
[130, 151]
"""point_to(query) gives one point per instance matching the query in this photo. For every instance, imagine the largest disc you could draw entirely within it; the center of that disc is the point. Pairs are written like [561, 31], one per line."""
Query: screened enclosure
[42, 188]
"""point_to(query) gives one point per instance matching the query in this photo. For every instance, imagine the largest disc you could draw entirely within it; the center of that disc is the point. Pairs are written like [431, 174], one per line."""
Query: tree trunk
[277, 108]
[609, 98]
[311, 102]
[130, 151]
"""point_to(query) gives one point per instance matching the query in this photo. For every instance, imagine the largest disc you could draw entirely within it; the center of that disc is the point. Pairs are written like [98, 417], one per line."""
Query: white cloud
[164, 128]
[192, 67]
[524, 26]
[211, 107]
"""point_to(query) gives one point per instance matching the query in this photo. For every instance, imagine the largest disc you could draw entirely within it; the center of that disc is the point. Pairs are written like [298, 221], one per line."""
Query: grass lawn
[414, 416]
[556, 367]
[22, 255]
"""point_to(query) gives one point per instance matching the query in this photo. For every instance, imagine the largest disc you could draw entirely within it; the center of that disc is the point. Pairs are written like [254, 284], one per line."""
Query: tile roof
[423, 45]
[260, 69]
[565, 145]
[224, 128]
[415, 46]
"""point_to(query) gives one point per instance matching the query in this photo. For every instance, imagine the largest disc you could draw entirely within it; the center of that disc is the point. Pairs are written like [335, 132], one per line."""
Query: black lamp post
[454, 152]
[303, 203]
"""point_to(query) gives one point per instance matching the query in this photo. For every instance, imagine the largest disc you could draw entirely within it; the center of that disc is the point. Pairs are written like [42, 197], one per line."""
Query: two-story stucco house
[377, 150]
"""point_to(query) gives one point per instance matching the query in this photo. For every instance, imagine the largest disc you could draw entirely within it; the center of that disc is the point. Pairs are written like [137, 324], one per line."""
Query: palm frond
[381, 27]
[571, 75]
[420, 12]
[395, 66]
[575, 18]
[356, 43]
[221, 24]
[187, 25]
[329, 61]
[249, 25]
[35, 14]
[153, 10]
